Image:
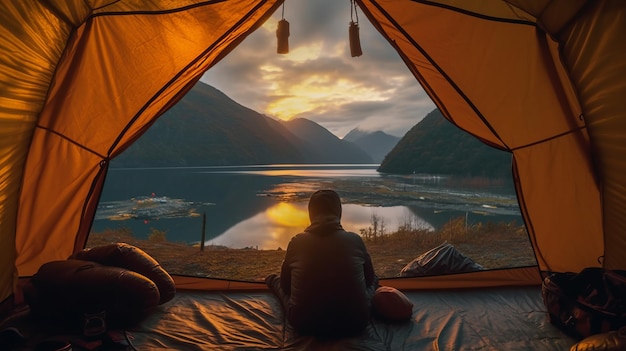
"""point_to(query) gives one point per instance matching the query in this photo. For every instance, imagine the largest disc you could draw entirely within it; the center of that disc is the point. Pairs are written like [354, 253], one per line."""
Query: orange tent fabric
[76, 90]
[511, 90]
[543, 79]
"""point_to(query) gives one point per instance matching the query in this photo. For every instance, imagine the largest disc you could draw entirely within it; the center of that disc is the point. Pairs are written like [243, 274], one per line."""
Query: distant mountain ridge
[377, 144]
[436, 146]
[324, 144]
[207, 128]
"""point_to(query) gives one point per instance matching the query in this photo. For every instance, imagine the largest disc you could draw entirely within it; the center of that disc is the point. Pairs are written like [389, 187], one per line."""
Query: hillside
[437, 146]
[207, 128]
[376, 144]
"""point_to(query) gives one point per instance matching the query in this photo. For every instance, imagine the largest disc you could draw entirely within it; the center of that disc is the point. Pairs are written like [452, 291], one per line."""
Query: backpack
[590, 302]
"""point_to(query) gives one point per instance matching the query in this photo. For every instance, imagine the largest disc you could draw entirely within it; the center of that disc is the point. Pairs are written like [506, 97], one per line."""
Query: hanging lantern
[282, 33]
[355, 42]
[353, 31]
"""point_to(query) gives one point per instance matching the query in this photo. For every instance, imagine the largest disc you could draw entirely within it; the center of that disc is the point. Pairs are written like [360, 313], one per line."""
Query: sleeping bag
[118, 284]
[133, 258]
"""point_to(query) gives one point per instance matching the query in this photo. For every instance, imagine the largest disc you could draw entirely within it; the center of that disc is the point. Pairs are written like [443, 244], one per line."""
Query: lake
[264, 206]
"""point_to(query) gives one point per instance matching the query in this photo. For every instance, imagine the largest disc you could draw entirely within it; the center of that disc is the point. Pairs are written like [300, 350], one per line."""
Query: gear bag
[590, 302]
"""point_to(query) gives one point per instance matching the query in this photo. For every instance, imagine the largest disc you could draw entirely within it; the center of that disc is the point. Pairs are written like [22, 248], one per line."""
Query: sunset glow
[322, 93]
[288, 215]
[304, 53]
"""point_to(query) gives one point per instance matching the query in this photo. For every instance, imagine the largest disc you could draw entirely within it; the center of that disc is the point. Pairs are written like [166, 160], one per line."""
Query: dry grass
[492, 245]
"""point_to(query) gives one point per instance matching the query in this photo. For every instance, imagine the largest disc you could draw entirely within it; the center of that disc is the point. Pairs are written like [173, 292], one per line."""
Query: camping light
[353, 32]
[355, 43]
[282, 34]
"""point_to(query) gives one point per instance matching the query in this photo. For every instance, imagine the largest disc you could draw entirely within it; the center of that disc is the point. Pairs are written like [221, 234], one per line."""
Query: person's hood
[324, 212]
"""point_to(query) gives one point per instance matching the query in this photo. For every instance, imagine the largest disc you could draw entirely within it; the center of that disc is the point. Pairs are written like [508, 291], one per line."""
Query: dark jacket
[329, 278]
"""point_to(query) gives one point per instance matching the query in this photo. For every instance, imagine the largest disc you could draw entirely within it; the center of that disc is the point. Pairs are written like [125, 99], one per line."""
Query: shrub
[157, 236]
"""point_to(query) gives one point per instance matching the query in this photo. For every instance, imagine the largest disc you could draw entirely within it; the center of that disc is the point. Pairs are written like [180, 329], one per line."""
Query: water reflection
[264, 206]
[320, 173]
[290, 170]
[274, 227]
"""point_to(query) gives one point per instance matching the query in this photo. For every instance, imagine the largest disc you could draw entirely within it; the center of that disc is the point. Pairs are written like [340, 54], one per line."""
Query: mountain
[325, 145]
[376, 144]
[207, 128]
[437, 146]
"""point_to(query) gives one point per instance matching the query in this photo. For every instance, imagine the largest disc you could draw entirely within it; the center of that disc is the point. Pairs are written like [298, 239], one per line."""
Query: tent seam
[550, 138]
[80, 237]
[63, 136]
[159, 12]
[476, 15]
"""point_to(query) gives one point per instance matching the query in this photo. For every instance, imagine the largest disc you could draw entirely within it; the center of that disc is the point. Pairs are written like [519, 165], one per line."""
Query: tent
[81, 80]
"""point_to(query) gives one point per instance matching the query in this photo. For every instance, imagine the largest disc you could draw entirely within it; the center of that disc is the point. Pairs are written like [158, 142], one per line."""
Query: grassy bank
[492, 245]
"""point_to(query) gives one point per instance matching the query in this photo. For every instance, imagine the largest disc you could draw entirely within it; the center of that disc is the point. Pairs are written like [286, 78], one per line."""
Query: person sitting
[327, 279]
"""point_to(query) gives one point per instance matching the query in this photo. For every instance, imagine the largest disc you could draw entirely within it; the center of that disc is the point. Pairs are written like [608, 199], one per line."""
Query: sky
[318, 79]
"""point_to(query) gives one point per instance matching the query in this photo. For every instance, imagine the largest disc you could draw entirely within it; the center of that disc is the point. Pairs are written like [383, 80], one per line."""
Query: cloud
[318, 79]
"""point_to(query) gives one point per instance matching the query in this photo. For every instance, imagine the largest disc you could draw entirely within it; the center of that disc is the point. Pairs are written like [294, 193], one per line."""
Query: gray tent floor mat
[469, 319]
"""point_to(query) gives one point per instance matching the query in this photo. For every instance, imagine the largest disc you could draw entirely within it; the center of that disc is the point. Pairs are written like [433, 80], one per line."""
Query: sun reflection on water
[274, 227]
[288, 215]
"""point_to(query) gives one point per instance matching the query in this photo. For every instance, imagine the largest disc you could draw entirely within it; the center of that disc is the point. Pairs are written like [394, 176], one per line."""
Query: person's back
[328, 287]
[327, 276]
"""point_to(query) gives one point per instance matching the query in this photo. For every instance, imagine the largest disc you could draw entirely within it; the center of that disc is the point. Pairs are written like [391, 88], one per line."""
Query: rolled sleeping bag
[133, 258]
[68, 290]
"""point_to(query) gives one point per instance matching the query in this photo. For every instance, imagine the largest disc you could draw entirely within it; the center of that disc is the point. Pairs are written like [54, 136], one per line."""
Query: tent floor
[485, 319]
